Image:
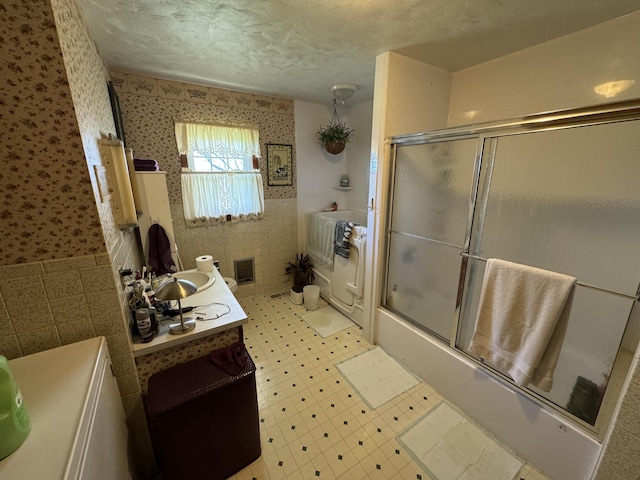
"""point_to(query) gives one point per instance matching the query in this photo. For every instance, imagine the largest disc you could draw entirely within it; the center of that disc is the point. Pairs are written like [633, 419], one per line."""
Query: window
[219, 178]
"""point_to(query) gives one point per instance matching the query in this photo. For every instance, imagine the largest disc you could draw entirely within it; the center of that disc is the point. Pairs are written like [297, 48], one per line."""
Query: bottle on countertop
[143, 321]
[334, 206]
[15, 423]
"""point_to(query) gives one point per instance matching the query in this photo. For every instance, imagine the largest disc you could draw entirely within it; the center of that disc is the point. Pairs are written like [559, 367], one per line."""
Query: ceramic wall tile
[130, 400]
[629, 418]
[623, 457]
[62, 284]
[102, 259]
[118, 344]
[128, 385]
[123, 365]
[72, 332]
[31, 316]
[633, 397]
[107, 324]
[66, 264]
[19, 290]
[69, 309]
[9, 346]
[104, 303]
[5, 323]
[21, 270]
[38, 340]
[98, 279]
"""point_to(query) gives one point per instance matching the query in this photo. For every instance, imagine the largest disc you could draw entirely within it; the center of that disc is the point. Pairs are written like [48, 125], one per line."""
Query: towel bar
[586, 285]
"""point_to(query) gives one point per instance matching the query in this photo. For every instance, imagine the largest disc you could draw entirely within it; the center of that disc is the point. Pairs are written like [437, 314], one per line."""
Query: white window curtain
[211, 196]
[229, 188]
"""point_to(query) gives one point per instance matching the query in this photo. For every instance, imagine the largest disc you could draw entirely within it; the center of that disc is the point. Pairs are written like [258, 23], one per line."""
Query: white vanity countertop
[55, 385]
[218, 292]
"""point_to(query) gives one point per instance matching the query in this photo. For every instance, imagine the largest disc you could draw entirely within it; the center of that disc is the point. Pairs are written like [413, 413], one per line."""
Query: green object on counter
[14, 418]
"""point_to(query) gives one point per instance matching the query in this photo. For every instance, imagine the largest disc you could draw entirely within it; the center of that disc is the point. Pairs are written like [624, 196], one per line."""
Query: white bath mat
[451, 447]
[327, 321]
[377, 377]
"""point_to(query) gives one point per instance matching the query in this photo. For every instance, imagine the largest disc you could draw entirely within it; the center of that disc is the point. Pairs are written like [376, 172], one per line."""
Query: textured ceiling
[298, 48]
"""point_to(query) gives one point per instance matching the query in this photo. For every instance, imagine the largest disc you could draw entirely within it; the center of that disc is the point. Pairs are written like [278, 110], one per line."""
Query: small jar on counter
[143, 321]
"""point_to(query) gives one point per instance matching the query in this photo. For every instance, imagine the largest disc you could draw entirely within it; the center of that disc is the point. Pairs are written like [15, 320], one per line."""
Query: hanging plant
[336, 135]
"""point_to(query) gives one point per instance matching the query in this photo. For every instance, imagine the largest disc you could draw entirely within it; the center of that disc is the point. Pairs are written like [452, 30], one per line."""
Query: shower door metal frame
[472, 200]
[486, 134]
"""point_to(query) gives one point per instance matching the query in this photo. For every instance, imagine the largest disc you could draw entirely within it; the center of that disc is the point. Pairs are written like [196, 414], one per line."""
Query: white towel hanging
[522, 320]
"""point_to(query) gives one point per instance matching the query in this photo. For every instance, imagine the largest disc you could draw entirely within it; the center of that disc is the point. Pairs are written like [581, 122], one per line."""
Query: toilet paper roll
[204, 263]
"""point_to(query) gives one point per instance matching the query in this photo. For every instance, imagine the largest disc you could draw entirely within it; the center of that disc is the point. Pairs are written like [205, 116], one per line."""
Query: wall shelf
[344, 189]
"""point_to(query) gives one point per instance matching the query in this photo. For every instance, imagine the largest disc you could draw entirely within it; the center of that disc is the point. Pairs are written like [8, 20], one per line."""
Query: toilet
[231, 283]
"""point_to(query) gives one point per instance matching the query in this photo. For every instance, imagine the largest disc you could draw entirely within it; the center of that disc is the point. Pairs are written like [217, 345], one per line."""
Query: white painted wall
[359, 117]
[318, 171]
[555, 75]
[409, 96]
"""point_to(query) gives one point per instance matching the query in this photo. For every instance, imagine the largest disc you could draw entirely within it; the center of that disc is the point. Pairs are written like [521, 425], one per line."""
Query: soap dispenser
[15, 424]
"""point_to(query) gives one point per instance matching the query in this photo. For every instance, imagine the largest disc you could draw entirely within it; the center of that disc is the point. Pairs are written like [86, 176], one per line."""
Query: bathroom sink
[202, 280]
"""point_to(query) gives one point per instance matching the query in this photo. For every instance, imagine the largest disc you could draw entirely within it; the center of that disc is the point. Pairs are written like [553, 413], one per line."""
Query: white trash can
[311, 296]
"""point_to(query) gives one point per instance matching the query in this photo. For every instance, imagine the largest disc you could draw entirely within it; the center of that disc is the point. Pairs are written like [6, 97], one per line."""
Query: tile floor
[312, 422]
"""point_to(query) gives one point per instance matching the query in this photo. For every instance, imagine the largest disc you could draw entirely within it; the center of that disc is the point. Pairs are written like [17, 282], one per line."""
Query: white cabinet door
[106, 457]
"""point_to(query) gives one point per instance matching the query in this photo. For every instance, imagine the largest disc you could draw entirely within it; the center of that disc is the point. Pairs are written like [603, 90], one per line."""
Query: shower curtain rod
[586, 285]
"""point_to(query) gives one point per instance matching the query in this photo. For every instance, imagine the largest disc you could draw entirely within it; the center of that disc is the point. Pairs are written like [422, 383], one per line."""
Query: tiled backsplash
[271, 241]
[52, 303]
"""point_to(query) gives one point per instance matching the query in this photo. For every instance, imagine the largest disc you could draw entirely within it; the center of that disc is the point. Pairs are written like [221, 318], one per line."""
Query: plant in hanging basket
[334, 136]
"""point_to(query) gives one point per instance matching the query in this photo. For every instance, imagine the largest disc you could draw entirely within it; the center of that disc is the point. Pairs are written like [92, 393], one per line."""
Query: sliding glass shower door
[434, 184]
[566, 201]
[560, 196]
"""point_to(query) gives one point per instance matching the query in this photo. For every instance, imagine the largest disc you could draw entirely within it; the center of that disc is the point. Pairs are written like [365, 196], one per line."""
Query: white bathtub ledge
[546, 440]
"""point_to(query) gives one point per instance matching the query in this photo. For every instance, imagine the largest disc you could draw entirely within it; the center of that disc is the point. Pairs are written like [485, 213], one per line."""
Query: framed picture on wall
[279, 165]
[115, 108]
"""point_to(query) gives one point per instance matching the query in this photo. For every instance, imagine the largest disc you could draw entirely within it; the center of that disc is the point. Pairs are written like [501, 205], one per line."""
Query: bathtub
[548, 440]
[341, 280]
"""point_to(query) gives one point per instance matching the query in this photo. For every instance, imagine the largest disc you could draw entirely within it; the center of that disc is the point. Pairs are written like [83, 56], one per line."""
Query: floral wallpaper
[54, 255]
[150, 107]
[46, 197]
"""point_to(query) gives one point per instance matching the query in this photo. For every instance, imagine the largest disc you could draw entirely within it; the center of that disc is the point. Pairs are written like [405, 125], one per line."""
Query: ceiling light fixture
[343, 91]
